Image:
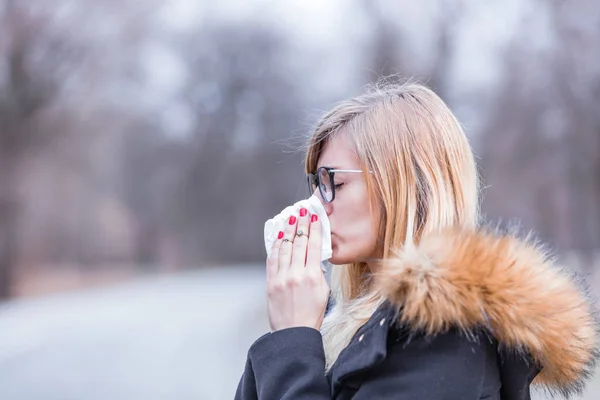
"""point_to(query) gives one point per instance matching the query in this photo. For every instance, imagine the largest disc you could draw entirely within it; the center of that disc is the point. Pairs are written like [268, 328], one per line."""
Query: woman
[427, 305]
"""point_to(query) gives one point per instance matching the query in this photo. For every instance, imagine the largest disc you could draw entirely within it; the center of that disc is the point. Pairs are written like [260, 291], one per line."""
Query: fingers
[273, 259]
[313, 254]
[287, 243]
[301, 240]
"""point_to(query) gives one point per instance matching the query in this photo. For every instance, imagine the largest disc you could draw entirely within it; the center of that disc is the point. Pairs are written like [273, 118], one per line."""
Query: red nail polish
[292, 220]
[314, 218]
[303, 212]
[280, 236]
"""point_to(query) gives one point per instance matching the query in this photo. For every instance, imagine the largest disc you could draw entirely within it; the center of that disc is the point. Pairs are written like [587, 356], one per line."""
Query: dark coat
[455, 342]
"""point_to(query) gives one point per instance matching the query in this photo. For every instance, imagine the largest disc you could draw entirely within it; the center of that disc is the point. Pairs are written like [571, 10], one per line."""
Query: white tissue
[314, 206]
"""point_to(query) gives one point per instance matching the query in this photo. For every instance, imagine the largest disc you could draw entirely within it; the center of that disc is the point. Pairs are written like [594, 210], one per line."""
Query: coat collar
[368, 347]
[469, 279]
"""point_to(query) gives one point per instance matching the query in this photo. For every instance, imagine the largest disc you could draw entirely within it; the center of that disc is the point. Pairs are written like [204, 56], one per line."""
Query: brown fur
[474, 279]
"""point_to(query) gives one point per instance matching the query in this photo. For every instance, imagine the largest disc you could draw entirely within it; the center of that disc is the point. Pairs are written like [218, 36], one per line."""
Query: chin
[347, 257]
[340, 259]
[335, 258]
[336, 261]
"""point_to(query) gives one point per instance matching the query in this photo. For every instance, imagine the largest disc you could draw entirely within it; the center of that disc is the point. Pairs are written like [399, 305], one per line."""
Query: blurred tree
[246, 100]
[542, 137]
[388, 51]
[150, 164]
[386, 41]
[514, 150]
[576, 76]
[29, 87]
[54, 84]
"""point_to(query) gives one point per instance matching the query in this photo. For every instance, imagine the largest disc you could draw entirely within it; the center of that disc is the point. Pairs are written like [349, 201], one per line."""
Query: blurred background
[144, 143]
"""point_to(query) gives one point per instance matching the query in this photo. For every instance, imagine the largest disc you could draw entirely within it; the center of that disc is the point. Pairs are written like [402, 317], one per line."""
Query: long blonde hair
[424, 178]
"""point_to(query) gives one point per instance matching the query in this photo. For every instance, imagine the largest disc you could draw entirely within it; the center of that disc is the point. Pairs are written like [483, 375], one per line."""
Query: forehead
[339, 152]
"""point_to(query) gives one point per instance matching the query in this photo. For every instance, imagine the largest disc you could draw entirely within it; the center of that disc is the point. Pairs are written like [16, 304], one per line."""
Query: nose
[327, 206]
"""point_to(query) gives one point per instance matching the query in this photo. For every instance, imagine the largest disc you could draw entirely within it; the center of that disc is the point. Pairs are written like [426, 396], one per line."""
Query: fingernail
[280, 235]
[303, 212]
[314, 218]
[292, 220]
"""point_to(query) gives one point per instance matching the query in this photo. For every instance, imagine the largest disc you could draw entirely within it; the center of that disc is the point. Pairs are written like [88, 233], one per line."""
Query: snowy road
[180, 337]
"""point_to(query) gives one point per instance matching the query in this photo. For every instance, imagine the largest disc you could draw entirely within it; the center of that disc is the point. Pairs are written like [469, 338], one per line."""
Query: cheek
[355, 232]
[352, 214]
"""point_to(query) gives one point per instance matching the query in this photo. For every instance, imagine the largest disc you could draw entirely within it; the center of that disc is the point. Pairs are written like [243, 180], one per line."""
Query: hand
[297, 291]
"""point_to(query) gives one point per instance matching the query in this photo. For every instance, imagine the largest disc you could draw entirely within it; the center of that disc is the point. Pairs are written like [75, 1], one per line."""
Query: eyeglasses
[324, 180]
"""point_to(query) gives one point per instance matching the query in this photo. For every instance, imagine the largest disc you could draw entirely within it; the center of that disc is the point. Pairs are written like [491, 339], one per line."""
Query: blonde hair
[424, 178]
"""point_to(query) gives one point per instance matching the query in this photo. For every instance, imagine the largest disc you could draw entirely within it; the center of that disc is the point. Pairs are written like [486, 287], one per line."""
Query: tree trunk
[147, 244]
[8, 225]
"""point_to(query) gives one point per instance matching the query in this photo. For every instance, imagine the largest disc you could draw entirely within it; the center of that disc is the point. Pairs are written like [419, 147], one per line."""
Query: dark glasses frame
[314, 181]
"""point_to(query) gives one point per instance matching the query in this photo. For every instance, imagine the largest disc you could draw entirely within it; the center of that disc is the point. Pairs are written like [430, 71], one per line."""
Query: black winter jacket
[468, 315]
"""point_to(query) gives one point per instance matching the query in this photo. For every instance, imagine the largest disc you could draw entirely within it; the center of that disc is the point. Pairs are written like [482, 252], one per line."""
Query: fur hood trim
[470, 279]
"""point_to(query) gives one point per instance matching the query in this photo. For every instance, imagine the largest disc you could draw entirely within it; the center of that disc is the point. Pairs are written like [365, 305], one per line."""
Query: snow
[183, 337]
